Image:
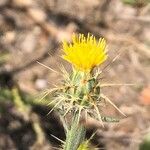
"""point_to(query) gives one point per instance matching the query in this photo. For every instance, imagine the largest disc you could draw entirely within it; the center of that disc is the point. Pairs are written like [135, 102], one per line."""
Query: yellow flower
[85, 53]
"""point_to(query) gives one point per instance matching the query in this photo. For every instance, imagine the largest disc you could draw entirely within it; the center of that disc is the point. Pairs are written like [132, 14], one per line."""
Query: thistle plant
[79, 95]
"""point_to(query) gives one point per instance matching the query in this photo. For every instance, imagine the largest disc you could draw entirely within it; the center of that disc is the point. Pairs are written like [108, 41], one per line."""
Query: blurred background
[32, 30]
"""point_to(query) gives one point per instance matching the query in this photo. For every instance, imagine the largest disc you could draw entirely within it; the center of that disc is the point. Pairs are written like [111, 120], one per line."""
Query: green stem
[75, 136]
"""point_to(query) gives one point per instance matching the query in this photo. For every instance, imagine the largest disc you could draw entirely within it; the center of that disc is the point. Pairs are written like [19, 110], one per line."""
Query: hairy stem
[75, 135]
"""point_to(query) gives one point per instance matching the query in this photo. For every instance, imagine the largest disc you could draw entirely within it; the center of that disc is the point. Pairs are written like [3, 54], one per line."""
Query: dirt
[32, 31]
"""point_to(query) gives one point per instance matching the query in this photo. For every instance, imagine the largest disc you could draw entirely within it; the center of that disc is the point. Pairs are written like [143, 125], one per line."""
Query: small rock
[14, 125]
[29, 43]
[122, 9]
[9, 36]
[66, 33]
[145, 96]
[37, 14]
[22, 3]
[41, 84]
[145, 35]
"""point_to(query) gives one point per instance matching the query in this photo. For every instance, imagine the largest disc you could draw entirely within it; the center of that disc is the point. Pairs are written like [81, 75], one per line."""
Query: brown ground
[31, 30]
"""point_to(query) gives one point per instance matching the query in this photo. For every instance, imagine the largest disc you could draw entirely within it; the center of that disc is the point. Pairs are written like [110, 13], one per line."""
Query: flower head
[85, 53]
